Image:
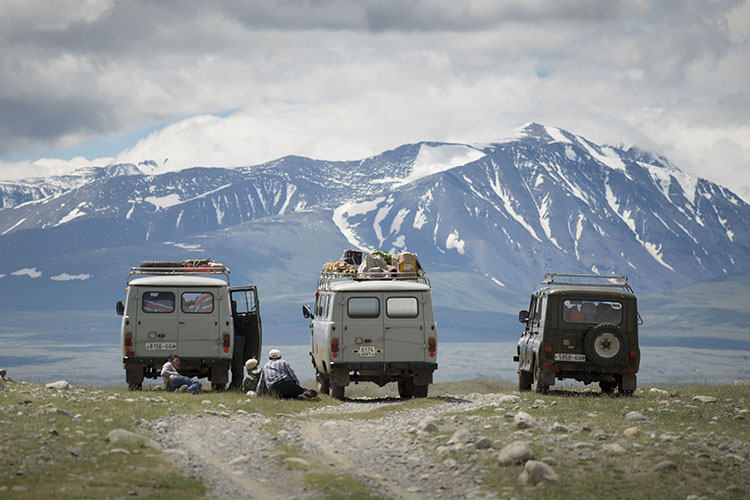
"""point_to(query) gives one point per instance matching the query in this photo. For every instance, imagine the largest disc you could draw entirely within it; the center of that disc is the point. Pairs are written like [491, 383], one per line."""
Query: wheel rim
[607, 345]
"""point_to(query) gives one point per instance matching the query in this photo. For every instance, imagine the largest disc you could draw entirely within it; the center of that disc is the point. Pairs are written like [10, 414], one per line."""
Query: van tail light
[548, 352]
[633, 357]
[226, 342]
[335, 347]
[128, 339]
[432, 346]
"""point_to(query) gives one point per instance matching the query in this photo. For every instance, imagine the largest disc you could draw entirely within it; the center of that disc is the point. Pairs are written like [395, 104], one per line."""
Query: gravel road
[245, 455]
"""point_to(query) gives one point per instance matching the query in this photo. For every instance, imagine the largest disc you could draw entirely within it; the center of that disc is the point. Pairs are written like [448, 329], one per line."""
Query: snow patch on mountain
[663, 177]
[162, 202]
[453, 241]
[73, 214]
[13, 226]
[556, 135]
[343, 213]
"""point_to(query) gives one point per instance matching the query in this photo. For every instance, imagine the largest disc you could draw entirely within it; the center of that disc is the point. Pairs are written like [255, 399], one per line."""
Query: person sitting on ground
[250, 382]
[277, 378]
[173, 381]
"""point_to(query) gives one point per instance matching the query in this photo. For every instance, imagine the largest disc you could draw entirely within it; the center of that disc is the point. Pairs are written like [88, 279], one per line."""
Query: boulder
[630, 432]
[122, 436]
[59, 385]
[536, 471]
[705, 399]
[523, 420]
[515, 453]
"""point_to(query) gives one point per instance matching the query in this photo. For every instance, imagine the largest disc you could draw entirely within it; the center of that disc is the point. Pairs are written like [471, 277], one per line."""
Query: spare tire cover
[605, 344]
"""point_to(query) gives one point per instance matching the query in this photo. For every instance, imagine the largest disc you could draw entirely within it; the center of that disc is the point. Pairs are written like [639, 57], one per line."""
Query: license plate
[367, 351]
[563, 356]
[161, 346]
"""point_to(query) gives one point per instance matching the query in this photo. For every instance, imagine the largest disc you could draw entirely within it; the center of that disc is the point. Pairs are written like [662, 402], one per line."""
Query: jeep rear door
[403, 324]
[198, 323]
[363, 327]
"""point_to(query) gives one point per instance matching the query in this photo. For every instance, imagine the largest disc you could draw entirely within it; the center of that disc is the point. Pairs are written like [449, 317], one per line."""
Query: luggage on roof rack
[595, 280]
[185, 267]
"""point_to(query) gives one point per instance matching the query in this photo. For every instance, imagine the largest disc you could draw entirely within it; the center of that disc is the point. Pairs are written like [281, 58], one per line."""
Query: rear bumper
[381, 372]
[191, 367]
[384, 366]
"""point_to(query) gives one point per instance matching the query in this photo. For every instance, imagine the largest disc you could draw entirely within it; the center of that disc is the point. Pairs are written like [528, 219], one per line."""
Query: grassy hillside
[716, 309]
[54, 443]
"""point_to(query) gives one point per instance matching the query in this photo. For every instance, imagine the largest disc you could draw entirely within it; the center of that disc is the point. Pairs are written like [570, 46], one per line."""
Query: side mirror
[120, 308]
[306, 312]
[523, 316]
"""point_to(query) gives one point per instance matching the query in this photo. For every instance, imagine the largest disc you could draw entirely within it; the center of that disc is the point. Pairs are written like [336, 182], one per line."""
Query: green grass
[333, 486]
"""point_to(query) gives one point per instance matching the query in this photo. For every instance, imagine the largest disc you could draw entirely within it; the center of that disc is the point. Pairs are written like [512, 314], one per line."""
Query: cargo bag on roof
[406, 262]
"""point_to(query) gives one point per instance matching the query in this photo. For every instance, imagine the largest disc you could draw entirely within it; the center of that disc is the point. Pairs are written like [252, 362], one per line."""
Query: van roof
[378, 285]
[177, 281]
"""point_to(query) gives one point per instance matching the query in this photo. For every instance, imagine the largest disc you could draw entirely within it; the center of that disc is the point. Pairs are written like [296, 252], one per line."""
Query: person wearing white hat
[278, 378]
[250, 382]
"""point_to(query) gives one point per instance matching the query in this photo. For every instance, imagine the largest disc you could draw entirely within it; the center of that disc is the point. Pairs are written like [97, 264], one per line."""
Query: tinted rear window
[197, 302]
[363, 307]
[592, 311]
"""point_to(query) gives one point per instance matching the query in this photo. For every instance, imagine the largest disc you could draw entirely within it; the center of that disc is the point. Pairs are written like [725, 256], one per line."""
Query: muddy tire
[406, 388]
[322, 383]
[607, 387]
[539, 387]
[135, 387]
[218, 387]
[420, 391]
[525, 380]
[337, 391]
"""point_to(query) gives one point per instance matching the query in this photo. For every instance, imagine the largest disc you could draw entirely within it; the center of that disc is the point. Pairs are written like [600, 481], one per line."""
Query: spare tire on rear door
[605, 345]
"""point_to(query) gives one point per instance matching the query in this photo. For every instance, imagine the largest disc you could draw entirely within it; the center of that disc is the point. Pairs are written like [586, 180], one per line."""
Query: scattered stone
[614, 448]
[53, 431]
[705, 399]
[59, 385]
[635, 415]
[19, 488]
[483, 444]
[75, 453]
[118, 451]
[734, 457]
[296, 461]
[460, 436]
[523, 420]
[515, 453]
[536, 471]
[654, 390]
[550, 460]
[508, 398]
[428, 425]
[118, 436]
[239, 460]
[665, 465]
[630, 432]
[560, 428]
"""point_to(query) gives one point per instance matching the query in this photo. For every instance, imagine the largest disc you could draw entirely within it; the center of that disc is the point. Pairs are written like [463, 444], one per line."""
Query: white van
[188, 309]
[377, 327]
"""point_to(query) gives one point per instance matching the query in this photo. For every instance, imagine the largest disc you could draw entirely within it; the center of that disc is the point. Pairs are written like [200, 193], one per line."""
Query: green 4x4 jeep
[583, 327]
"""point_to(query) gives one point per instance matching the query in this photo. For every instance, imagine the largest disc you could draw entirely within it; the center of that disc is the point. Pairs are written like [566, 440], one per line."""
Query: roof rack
[595, 280]
[212, 269]
[325, 280]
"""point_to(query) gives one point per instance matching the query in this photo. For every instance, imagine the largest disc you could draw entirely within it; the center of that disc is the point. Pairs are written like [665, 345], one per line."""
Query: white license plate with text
[563, 356]
[367, 351]
[161, 346]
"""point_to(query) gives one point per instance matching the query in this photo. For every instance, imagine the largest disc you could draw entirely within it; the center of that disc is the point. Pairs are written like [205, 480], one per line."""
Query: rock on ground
[536, 471]
[515, 453]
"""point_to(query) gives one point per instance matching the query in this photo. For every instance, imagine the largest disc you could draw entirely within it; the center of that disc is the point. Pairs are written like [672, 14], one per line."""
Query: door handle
[181, 322]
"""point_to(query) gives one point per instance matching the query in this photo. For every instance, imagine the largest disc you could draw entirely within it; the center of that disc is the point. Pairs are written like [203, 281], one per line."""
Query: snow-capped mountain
[487, 220]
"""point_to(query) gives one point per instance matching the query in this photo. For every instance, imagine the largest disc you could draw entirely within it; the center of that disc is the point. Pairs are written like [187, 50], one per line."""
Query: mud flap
[339, 378]
[134, 375]
[628, 383]
[423, 378]
[219, 374]
[547, 377]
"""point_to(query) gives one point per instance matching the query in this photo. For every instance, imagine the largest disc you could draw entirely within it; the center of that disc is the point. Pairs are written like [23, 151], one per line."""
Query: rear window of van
[363, 307]
[402, 307]
[158, 302]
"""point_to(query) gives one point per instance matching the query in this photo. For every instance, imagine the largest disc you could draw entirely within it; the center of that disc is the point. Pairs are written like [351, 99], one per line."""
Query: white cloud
[31, 272]
[244, 83]
[69, 277]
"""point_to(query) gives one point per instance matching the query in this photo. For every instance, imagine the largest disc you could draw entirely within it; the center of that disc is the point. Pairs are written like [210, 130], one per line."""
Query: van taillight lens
[226, 342]
[432, 346]
[633, 357]
[335, 347]
[548, 352]
[128, 339]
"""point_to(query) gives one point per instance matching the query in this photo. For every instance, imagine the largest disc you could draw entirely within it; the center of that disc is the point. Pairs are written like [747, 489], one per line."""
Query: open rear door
[246, 315]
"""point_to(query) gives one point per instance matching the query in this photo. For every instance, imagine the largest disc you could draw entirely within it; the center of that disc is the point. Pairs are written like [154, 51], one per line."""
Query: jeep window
[592, 311]
[540, 303]
[327, 306]
[158, 302]
[197, 302]
[402, 307]
[363, 307]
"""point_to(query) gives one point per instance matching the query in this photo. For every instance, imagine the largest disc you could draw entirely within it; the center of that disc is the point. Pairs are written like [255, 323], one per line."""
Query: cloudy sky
[231, 83]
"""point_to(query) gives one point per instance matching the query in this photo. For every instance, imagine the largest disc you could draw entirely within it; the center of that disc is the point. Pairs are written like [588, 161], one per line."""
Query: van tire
[161, 263]
[337, 391]
[525, 379]
[135, 387]
[218, 387]
[406, 388]
[323, 383]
